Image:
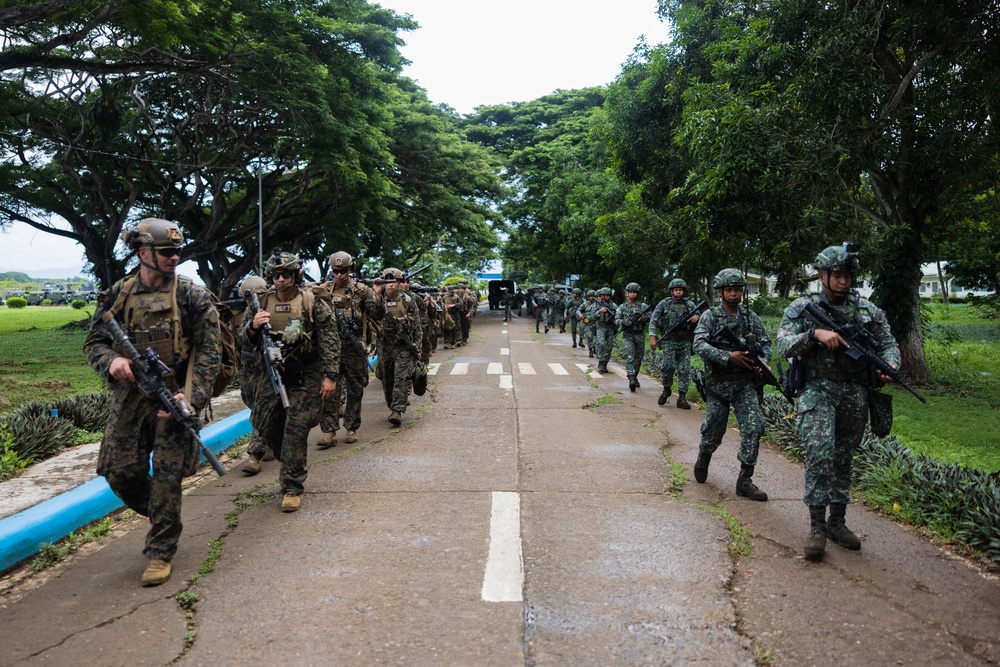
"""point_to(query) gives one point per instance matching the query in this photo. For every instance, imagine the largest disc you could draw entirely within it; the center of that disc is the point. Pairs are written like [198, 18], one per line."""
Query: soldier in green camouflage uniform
[471, 304]
[730, 380]
[634, 336]
[353, 305]
[304, 328]
[454, 306]
[675, 351]
[398, 354]
[589, 321]
[541, 304]
[606, 330]
[833, 404]
[573, 307]
[507, 301]
[554, 314]
[137, 425]
[250, 367]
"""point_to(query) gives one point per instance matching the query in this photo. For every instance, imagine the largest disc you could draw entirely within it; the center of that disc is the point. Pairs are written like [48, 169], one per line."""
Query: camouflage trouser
[742, 397]
[350, 392]
[675, 355]
[633, 347]
[466, 324]
[605, 342]
[831, 422]
[574, 327]
[540, 316]
[399, 364]
[250, 371]
[133, 432]
[590, 333]
[288, 430]
[506, 312]
[550, 318]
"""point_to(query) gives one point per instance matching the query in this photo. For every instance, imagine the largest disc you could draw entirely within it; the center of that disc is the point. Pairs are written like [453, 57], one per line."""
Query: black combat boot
[745, 486]
[602, 367]
[574, 342]
[633, 383]
[664, 395]
[682, 402]
[816, 542]
[701, 467]
[838, 532]
[536, 327]
[591, 354]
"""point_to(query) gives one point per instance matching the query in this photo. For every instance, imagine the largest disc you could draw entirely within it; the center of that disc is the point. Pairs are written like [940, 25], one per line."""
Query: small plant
[17, 302]
[46, 302]
[11, 463]
[50, 554]
[78, 304]
[186, 599]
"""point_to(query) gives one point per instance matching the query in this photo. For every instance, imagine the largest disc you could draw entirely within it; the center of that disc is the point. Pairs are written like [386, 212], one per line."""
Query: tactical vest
[348, 302]
[397, 308]
[284, 313]
[741, 327]
[823, 364]
[673, 313]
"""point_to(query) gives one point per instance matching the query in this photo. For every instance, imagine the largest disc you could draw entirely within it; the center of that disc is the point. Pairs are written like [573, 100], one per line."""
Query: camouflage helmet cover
[282, 261]
[153, 232]
[837, 258]
[391, 274]
[604, 291]
[577, 290]
[250, 285]
[591, 292]
[677, 282]
[729, 278]
[340, 260]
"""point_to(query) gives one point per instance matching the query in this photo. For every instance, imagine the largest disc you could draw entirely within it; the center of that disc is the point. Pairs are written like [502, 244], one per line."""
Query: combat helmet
[250, 285]
[283, 261]
[392, 274]
[340, 260]
[604, 291]
[591, 292]
[154, 233]
[838, 258]
[677, 282]
[633, 287]
[577, 290]
[729, 278]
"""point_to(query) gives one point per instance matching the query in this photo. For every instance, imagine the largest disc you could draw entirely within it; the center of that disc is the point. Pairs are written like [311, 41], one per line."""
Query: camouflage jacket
[747, 325]
[607, 318]
[627, 310]
[666, 314]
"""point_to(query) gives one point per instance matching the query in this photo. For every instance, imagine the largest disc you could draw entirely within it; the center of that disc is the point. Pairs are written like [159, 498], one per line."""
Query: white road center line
[461, 368]
[525, 369]
[506, 381]
[504, 351]
[504, 577]
[558, 369]
[495, 368]
[432, 369]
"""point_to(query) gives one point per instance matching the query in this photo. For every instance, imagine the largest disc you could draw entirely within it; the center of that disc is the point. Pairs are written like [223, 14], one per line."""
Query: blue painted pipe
[24, 533]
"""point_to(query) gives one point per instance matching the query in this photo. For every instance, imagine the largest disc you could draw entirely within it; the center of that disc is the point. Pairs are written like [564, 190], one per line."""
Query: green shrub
[86, 411]
[769, 306]
[78, 304]
[37, 435]
[11, 463]
[17, 302]
[46, 302]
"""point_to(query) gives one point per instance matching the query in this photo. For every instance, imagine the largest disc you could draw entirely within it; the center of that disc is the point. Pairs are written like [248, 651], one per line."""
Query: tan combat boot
[327, 441]
[157, 571]
[290, 503]
[352, 437]
[395, 418]
[252, 466]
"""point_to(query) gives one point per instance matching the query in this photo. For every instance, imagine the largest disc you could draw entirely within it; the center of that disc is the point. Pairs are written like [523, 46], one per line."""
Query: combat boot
[745, 486]
[536, 327]
[838, 532]
[591, 355]
[327, 441]
[268, 454]
[701, 467]
[352, 437]
[252, 466]
[816, 542]
[574, 342]
[664, 395]
[157, 571]
[633, 383]
[395, 418]
[290, 503]
[602, 367]
[682, 402]
[546, 329]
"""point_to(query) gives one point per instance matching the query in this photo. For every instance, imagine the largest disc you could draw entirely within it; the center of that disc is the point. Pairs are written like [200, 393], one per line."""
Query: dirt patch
[51, 384]
[13, 362]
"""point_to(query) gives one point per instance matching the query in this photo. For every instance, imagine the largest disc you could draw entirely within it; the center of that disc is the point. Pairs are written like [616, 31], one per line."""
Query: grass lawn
[38, 360]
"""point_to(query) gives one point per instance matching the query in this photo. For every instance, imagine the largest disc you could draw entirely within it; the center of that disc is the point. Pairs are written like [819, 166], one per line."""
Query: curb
[24, 533]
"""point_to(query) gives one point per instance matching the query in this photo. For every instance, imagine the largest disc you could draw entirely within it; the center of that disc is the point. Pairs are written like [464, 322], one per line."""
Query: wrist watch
[332, 376]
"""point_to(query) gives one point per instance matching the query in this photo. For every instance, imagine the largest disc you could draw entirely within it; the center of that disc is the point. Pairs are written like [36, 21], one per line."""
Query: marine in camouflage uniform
[424, 307]
[137, 425]
[589, 322]
[554, 314]
[730, 380]
[398, 354]
[471, 305]
[250, 367]
[573, 307]
[454, 305]
[634, 336]
[353, 305]
[541, 304]
[304, 328]
[675, 350]
[507, 301]
[605, 328]
[833, 405]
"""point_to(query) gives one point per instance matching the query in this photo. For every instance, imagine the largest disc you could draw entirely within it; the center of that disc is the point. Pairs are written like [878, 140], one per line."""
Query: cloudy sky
[466, 53]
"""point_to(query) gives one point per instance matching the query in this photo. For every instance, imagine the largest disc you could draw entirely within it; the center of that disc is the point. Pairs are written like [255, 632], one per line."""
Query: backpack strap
[127, 286]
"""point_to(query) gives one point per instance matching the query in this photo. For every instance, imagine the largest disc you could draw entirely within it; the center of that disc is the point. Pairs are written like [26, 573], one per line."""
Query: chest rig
[288, 315]
[740, 325]
[823, 364]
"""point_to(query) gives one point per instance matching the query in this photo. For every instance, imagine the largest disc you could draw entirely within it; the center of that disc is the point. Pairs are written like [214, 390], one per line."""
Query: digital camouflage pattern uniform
[605, 330]
[396, 357]
[729, 386]
[573, 306]
[634, 338]
[554, 314]
[354, 305]
[541, 303]
[832, 409]
[133, 431]
[307, 361]
[675, 351]
[589, 322]
[249, 368]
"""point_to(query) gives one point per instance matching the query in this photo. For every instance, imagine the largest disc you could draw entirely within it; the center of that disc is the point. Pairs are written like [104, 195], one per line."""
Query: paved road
[508, 523]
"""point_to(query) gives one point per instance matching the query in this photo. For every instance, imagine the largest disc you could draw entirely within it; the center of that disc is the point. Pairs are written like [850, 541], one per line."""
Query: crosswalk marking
[526, 369]
[504, 351]
[432, 369]
[461, 368]
[558, 369]
[495, 368]
[584, 367]
[506, 381]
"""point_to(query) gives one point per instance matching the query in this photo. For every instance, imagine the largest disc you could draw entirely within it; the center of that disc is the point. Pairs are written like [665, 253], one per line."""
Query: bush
[11, 464]
[78, 304]
[17, 302]
[769, 306]
[46, 302]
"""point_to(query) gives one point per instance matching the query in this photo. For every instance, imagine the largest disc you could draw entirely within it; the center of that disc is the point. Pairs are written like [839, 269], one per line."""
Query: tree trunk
[911, 348]
[943, 283]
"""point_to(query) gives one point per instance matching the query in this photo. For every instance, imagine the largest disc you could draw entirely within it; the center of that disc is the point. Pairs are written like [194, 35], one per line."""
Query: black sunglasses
[339, 271]
[282, 274]
[168, 252]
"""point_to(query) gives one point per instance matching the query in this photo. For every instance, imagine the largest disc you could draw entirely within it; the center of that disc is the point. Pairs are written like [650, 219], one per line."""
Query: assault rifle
[684, 319]
[861, 341]
[408, 275]
[756, 359]
[271, 353]
[349, 330]
[576, 311]
[149, 369]
[632, 320]
[404, 333]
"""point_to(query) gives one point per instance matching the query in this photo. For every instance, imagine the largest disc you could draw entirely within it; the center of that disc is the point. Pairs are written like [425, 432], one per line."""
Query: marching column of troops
[302, 355]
